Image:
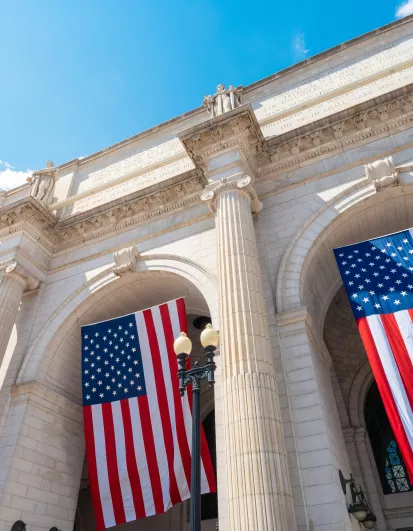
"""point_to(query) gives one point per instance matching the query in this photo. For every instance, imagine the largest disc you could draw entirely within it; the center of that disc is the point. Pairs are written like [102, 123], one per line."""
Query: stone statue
[43, 182]
[381, 173]
[223, 100]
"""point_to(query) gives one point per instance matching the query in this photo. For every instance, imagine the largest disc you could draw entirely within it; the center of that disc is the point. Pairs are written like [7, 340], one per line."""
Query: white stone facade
[239, 213]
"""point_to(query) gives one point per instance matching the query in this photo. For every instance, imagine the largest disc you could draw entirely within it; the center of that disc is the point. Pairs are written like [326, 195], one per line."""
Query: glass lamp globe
[370, 521]
[209, 336]
[358, 511]
[182, 344]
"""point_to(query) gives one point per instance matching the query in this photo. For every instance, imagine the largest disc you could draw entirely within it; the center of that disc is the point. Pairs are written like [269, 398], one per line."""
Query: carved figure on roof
[43, 183]
[223, 100]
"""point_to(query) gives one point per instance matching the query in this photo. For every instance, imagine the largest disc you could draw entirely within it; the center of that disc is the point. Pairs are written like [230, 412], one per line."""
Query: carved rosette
[125, 261]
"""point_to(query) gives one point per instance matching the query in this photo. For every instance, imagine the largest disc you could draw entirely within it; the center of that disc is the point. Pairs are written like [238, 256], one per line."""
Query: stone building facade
[236, 205]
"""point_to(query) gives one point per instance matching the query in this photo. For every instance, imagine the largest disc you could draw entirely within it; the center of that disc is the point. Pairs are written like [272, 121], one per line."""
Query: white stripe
[392, 374]
[154, 409]
[176, 328]
[125, 485]
[406, 330]
[102, 466]
[141, 460]
[178, 465]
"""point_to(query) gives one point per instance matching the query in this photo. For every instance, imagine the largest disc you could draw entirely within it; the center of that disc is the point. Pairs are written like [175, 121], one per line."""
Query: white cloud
[404, 9]
[300, 47]
[11, 178]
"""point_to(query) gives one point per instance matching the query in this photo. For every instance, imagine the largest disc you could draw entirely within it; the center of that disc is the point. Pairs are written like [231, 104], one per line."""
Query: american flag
[378, 278]
[137, 426]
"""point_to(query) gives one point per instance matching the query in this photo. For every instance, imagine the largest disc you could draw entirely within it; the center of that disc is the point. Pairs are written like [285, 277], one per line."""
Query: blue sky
[78, 76]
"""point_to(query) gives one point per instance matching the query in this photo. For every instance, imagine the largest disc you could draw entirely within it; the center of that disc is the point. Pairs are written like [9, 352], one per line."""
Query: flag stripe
[124, 481]
[163, 404]
[102, 467]
[150, 483]
[164, 333]
[111, 459]
[207, 472]
[404, 321]
[131, 461]
[399, 351]
[151, 455]
[91, 462]
[386, 378]
[155, 415]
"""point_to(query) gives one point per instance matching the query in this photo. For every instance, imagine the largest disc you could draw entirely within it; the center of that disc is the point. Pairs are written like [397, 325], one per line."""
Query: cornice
[373, 118]
[32, 217]
[234, 129]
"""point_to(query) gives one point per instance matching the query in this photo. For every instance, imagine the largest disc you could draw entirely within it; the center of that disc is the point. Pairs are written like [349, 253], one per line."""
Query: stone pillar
[228, 150]
[259, 492]
[14, 280]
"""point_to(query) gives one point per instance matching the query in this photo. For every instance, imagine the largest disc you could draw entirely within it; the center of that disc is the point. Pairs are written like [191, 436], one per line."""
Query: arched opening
[389, 462]
[62, 370]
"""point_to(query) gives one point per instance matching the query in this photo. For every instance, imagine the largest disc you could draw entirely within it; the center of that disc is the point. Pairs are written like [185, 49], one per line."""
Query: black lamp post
[358, 508]
[194, 376]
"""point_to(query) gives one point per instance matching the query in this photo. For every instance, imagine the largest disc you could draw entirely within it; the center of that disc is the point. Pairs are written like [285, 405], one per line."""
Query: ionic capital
[125, 261]
[12, 269]
[242, 184]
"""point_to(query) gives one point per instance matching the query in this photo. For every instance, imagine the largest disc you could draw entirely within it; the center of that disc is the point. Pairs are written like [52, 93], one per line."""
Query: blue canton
[378, 274]
[111, 361]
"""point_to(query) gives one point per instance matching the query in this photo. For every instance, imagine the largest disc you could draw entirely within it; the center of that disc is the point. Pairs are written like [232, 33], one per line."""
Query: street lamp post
[194, 376]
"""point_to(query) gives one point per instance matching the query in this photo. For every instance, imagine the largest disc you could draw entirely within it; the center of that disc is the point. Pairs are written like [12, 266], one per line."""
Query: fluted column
[259, 491]
[14, 280]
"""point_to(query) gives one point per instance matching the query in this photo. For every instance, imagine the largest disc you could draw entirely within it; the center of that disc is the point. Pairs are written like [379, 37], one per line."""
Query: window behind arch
[389, 462]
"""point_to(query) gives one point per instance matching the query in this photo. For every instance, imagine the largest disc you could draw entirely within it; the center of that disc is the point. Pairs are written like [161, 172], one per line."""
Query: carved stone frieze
[125, 261]
[347, 127]
[237, 128]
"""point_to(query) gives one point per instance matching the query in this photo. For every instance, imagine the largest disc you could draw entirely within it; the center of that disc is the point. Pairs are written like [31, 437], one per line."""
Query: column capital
[236, 130]
[241, 182]
[13, 269]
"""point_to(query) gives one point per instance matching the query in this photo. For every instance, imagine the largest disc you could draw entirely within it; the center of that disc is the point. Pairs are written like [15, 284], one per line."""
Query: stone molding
[400, 512]
[322, 137]
[125, 261]
[236, 129]
[32, 217]
[13, 269]
[242, 183]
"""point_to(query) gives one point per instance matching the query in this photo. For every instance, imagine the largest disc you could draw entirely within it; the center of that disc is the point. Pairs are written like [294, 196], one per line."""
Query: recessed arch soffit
[358, 214]
[54, 357]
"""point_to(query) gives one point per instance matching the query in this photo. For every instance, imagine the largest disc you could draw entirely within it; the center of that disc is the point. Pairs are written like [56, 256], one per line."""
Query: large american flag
[378, 277]
[137, 426]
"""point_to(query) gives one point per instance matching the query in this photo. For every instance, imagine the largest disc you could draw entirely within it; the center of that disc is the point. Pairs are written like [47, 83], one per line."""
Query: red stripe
[205, 454]
[207, 462]
[112, 462]
[180, 304]
[400, 353]
[150, 452]
[385, 392]
[179, 414]
[92, 468]
[133, 472]
[163, 404]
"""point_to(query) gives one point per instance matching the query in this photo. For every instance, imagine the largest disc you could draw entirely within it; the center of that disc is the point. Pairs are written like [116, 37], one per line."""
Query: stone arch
[180, 277]
[308, 275]
[358, 393]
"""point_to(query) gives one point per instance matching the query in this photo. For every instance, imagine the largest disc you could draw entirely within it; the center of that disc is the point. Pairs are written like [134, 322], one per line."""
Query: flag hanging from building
[378, 277]
[137, 426]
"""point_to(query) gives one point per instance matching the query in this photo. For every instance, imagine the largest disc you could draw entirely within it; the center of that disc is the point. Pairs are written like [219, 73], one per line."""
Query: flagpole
[194, 376]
